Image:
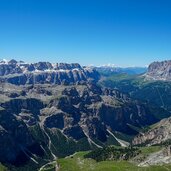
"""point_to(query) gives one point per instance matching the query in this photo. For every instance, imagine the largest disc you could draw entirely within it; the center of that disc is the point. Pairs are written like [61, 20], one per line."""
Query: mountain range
[109, 70]
[53, 110]
[21, 73]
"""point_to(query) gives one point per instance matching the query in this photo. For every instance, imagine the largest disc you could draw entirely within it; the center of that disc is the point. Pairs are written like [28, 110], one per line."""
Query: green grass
[78, 163]
[3, 168]
[149, 150]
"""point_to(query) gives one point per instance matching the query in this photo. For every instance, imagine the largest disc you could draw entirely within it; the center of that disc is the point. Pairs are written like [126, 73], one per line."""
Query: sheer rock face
[159, 71]
[77, 111]
[21, 73]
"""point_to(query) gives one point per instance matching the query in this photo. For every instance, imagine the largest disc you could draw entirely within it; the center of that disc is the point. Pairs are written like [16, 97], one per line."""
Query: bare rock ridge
[160, 133]
[159, 71]
[21, 73]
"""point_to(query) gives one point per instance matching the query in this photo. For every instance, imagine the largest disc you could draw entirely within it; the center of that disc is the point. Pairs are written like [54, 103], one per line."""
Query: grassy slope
[149, 150]
[78, 163]
[2, 168]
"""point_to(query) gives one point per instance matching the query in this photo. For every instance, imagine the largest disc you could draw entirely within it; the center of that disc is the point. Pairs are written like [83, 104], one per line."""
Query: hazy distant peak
[110, 69]
[4, 61]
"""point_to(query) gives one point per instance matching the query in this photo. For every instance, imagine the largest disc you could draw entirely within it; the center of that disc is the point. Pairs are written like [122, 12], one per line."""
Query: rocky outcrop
[21, 73]
[159, 71]
[160, 133]
[157, 158]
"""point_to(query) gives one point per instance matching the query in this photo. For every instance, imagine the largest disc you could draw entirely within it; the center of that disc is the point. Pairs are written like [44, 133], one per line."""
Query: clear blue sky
[121, 32]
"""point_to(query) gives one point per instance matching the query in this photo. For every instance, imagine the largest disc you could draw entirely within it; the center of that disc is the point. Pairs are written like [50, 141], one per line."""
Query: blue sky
[121, 32]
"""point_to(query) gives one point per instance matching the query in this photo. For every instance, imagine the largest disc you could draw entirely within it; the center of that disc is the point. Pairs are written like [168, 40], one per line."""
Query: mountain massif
[159, 71]
[21, 73]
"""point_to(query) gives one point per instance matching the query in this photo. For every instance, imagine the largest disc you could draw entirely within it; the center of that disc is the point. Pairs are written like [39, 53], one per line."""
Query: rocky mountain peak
[159, 71]
[12, 62]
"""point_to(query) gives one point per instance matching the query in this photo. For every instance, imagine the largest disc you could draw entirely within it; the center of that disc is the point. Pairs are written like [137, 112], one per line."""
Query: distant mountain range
[155, 71]
[108, 70]
[21, 73]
